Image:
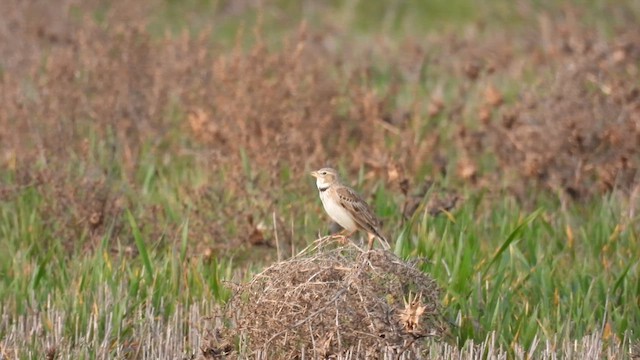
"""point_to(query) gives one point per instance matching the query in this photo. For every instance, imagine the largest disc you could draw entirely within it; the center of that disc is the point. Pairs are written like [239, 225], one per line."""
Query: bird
[347, 208]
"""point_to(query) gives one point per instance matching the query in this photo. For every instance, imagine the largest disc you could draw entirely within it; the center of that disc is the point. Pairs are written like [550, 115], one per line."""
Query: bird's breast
[337, 213]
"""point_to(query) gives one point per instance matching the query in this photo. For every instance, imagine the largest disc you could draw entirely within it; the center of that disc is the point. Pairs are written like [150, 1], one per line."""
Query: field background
[152, 150]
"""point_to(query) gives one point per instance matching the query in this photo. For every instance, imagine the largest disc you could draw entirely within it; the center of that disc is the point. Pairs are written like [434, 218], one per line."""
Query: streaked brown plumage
[346, 207]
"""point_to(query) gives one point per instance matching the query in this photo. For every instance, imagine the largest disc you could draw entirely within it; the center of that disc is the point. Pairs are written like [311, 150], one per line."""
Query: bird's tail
[383, 241]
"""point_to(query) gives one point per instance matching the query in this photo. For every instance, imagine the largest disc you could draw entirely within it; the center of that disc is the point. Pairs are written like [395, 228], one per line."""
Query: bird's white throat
[322, 184]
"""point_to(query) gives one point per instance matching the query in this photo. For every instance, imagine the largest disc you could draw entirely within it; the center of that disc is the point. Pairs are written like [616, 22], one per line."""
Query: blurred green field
[123, 214]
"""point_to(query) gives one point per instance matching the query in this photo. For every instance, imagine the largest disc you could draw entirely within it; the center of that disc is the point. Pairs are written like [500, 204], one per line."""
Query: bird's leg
[372, 238]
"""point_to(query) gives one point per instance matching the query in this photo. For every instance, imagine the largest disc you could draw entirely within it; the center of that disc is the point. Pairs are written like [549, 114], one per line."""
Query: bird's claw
[341, 239]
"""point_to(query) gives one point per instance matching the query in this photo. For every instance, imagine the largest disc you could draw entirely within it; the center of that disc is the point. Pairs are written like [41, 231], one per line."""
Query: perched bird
[346, 207]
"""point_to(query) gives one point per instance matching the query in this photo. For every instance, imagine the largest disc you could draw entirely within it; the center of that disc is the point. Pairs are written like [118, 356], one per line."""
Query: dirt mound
[335, 302]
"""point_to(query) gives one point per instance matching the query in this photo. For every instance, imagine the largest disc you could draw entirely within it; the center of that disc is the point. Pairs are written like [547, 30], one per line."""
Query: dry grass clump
[573, 128]
[336, 302]
[580, 135]
[283, 107]
[93, 106]
[89, 108]
[79, 103]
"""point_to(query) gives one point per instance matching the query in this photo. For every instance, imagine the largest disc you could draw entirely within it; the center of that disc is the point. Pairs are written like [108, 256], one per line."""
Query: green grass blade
[37, 276]
[515, 234]
[622, 276]
[142, 248]
[402, 247]
[184, 241]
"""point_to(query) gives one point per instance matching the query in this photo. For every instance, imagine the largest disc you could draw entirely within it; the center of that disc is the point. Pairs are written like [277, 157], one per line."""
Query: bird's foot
[342, 238]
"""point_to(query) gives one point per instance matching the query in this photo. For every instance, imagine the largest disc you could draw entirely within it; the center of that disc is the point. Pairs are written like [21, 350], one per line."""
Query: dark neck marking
[323, 189]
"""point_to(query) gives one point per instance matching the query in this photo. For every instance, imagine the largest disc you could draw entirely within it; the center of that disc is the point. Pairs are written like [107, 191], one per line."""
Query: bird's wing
[359, 209]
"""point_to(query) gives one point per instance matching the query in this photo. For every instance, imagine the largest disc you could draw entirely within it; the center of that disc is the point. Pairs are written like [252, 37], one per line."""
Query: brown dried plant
[579, 136]
[87, 106]
[331, 301]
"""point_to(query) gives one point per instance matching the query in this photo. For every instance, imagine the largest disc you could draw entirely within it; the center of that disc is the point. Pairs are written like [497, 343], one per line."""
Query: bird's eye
[323, 173]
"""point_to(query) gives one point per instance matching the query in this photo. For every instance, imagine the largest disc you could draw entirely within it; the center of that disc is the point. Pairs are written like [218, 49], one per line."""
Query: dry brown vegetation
[78, 96]
[554, 106]
[330, 302]
[160, 341]
[580, 136]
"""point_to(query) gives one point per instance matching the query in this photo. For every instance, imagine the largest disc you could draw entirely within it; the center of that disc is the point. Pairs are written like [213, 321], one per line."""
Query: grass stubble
[134, 166]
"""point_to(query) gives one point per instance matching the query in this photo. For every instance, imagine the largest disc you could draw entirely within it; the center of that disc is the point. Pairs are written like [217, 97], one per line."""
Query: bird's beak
[314, 174]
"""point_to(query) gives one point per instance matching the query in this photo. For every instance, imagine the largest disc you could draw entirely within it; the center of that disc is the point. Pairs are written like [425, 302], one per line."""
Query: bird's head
[325, 177]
